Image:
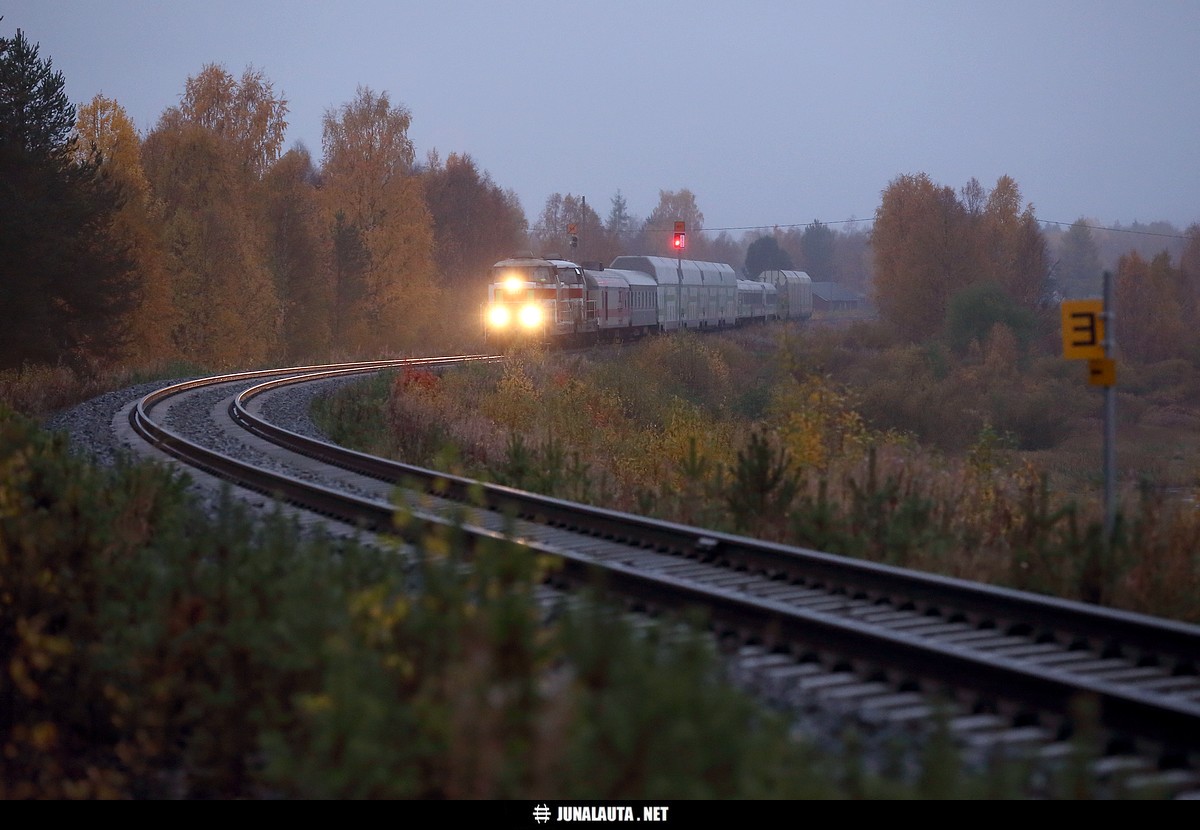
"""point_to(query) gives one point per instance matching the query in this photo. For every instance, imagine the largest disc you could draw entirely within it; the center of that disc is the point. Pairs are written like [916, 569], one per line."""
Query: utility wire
[633, 231]
[872, 220]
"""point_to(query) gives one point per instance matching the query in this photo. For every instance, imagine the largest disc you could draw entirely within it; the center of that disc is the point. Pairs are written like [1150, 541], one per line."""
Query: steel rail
[1006, 681]
[1106, 630]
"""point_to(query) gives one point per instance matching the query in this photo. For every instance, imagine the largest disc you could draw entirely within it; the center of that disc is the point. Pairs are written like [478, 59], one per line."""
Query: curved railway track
[1011, 671]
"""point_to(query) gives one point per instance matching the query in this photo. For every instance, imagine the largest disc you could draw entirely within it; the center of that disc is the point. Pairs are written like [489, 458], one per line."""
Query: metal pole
[1110, 414]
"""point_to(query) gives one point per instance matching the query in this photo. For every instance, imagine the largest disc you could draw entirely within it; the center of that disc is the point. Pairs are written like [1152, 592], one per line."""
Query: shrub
[155, 651]
[975, 310]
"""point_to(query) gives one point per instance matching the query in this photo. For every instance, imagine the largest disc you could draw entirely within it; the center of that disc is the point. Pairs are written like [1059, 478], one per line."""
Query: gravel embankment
[89, 426]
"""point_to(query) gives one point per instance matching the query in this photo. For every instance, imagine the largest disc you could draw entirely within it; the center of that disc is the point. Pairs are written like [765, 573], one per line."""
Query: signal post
[1087, 334]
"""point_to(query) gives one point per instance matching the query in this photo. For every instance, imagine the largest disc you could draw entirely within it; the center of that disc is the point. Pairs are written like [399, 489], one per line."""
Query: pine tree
[67, 284]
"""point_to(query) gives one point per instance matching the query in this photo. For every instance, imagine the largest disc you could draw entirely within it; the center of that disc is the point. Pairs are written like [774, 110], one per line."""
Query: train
[560, 301]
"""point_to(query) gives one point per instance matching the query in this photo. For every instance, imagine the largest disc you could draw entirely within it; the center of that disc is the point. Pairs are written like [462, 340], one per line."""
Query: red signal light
[680, 241]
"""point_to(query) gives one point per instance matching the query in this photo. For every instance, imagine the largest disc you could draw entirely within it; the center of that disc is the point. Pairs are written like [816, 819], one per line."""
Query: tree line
[205, 241]
[955, 264]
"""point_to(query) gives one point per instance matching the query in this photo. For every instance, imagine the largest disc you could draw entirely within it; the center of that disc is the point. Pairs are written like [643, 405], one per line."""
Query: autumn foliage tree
[246, 113]
[475, 222]
[1157, 301]
[299, 256]
[204, 161]
[1011, 250]
[921, 254]
[105, 130]
[370, 181]
[674, 206]
[1155, 306]
[929, 245]
[553, 236]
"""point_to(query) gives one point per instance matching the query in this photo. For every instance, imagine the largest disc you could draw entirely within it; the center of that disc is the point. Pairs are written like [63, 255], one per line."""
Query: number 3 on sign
[1083, 329]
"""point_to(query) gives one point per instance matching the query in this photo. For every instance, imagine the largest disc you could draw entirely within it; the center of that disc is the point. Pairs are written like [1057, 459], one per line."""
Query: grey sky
[772, 113]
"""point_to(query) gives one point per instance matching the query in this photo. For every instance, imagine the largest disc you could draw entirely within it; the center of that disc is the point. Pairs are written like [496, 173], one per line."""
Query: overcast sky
[772, 113]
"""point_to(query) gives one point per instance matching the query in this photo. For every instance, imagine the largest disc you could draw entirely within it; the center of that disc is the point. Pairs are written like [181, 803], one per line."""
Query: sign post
[1110, 414]
[1087, 334]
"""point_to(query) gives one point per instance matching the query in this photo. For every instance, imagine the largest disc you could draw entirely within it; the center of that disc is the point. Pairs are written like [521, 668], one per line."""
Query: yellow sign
[1102, 371]
[1083, 329]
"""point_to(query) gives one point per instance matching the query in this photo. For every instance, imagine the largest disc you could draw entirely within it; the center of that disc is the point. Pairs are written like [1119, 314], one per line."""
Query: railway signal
[680, 241]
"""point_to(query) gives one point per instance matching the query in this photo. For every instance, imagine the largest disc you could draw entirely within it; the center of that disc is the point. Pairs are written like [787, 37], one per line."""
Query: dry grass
[662, 427]
[38, 391]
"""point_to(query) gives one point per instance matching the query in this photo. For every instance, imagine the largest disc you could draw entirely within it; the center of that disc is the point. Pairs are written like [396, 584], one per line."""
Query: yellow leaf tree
[215, 244]
[1010, 245]
[674, 206]
[246, 113]
[369, 181]
[104, 127]
[300, 257]
[922, 254]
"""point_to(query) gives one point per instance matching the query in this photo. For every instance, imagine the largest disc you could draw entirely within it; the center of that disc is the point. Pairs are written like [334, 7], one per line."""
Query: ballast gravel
[885, 746]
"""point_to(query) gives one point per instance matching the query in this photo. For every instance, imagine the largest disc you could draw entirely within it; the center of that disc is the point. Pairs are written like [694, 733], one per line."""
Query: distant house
[830, 296]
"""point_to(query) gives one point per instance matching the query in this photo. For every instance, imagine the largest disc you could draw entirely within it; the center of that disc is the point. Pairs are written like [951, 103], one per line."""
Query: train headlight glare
[513, 285]
[530, 316]
[499, 317]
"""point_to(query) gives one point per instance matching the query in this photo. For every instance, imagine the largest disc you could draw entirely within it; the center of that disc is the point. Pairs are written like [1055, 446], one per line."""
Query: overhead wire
[871, 220]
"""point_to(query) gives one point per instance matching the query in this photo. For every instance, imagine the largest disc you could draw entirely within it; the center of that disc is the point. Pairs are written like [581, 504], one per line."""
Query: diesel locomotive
[557, 300]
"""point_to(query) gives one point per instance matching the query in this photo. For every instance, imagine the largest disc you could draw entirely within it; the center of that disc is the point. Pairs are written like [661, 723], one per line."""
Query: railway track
[1008, 672]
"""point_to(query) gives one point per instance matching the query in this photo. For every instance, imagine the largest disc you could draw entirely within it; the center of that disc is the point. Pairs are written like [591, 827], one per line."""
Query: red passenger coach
[611, 300]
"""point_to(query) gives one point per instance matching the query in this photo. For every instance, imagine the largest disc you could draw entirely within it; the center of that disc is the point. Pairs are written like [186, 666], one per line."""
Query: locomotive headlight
[499, 317]
[513, 285]
[530, 316]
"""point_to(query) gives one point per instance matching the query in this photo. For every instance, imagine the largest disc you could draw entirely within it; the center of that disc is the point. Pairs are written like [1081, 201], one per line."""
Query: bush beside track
[155, 652]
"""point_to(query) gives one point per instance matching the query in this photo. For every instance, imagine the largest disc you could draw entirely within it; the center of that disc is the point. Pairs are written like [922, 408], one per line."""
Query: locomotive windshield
[523, 273]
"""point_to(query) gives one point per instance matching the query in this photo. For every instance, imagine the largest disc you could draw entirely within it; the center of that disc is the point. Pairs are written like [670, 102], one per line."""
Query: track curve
[1015, 667]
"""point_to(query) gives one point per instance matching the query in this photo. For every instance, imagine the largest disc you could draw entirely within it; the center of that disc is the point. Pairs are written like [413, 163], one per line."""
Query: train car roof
[603, 279]
[522, 261]
[671, 271]
[616, 278]
[779, 277]
[756, 285]
[631, 277]
[534, 260]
